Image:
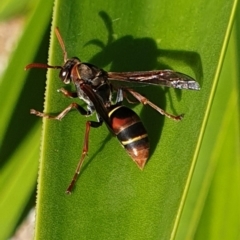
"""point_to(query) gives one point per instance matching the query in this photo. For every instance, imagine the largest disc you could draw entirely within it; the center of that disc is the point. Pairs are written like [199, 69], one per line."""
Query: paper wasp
[95, 87]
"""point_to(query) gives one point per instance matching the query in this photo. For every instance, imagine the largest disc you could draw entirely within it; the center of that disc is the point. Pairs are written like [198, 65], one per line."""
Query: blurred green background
[211, 205]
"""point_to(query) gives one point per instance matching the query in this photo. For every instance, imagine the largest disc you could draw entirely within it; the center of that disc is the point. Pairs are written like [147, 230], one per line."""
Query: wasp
[96, 87]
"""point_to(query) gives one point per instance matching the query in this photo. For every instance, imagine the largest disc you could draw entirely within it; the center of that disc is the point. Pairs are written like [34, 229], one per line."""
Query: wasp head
[66, 70]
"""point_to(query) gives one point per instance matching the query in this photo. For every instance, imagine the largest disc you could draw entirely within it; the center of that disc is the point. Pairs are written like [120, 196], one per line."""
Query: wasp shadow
[142, 54]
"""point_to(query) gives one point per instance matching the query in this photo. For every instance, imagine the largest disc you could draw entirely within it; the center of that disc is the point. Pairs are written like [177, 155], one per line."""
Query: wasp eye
[64, 73]
[64, 76]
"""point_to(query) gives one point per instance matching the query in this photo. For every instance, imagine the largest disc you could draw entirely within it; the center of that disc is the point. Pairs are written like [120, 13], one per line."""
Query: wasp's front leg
[62, 114]
[67, 93]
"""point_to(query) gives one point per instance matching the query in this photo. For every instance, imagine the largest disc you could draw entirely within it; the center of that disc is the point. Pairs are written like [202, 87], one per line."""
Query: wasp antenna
[41, 65]
[60, 40]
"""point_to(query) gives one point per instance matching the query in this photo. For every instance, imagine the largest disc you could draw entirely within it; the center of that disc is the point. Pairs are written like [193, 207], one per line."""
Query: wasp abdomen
[131, 133]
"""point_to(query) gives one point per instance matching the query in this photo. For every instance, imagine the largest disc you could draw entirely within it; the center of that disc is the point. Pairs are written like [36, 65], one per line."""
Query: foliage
[112, 198]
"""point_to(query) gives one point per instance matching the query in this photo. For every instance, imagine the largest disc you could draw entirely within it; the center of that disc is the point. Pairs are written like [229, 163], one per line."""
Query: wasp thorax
[92, 75]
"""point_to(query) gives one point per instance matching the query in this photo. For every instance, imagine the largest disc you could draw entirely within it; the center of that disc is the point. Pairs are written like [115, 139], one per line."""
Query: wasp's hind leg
[145, 101]
[89, 124]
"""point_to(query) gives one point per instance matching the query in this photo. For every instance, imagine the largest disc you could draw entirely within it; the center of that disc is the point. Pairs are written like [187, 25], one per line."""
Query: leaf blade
[159, 188]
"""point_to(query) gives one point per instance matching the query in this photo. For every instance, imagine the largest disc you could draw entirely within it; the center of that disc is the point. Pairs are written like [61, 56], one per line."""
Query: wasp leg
[126, 97]
[67, 93]
[145, 101]
[89, 124]
[63, 113]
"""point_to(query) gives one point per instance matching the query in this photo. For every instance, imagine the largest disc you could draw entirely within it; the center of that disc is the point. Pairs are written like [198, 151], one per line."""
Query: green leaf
[10, 8]
[18, 181]
[19, 131]
[212, 207]
[113, 199]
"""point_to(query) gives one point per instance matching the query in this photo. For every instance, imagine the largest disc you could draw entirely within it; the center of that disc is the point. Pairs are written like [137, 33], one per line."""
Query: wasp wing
[166, 78]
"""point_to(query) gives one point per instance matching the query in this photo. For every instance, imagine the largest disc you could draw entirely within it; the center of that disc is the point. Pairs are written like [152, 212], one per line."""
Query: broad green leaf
[113, 199]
